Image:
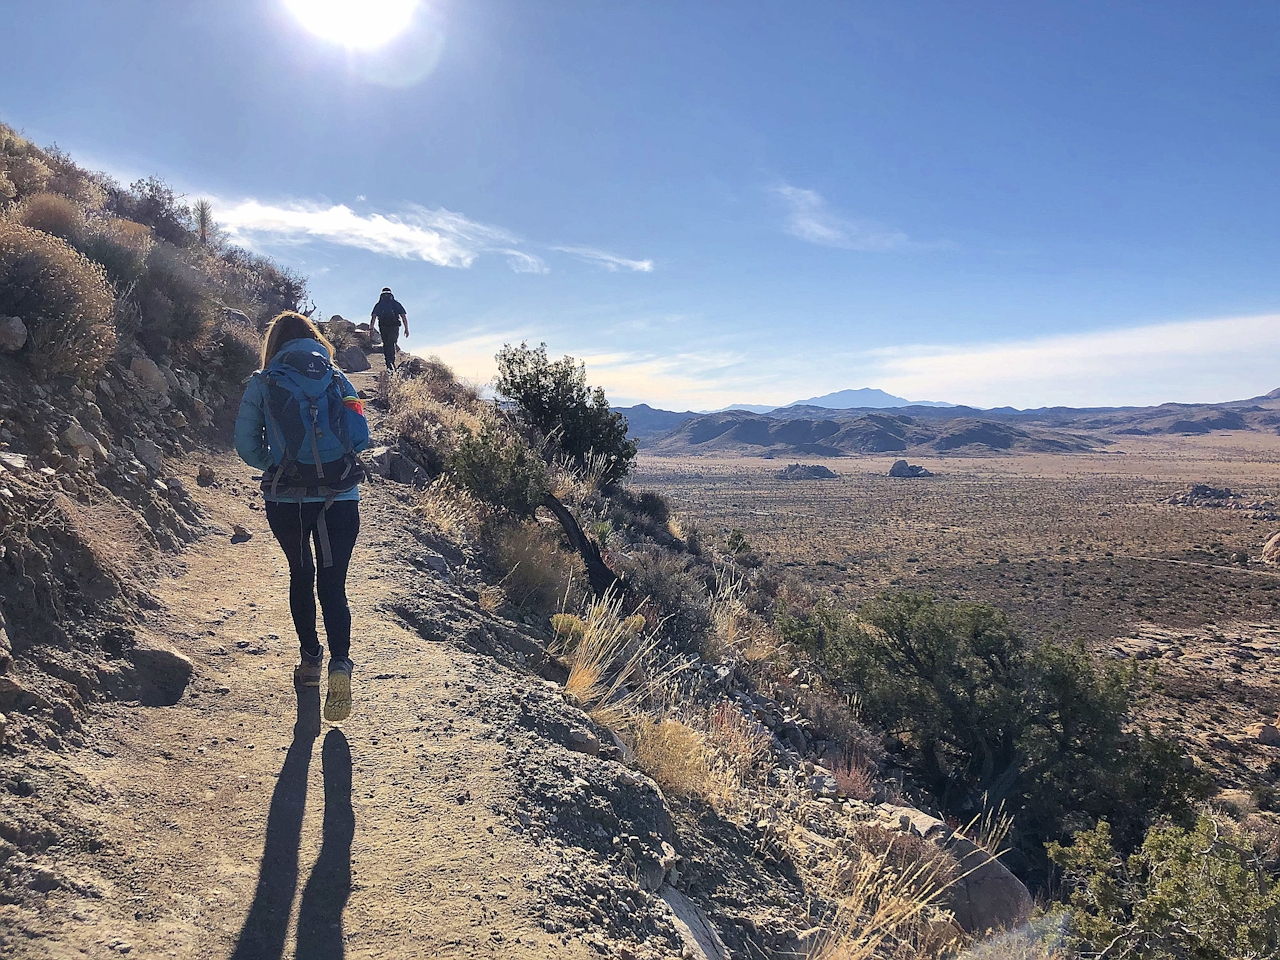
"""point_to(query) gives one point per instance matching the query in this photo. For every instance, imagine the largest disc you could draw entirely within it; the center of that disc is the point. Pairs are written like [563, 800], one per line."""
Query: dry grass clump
[607, 658]
[62, 296]
[673, 754]
[540, 575]
[51, 213]
[739, 742]
[855, 777]
[452, 510]
[887, 912]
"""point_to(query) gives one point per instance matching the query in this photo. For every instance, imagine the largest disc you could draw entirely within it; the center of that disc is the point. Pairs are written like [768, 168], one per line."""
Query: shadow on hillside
[263, 934]
[325, 896]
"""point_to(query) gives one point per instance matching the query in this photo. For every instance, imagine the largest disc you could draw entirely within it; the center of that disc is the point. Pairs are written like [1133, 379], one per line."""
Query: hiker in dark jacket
[390, 315]
[305, 504]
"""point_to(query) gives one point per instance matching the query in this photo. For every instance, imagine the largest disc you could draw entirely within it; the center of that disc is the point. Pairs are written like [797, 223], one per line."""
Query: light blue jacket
[251, 422]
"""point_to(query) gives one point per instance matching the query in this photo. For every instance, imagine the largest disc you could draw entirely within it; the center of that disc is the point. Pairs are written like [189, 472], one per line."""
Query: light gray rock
[162, 675]
[701, 939]
[150, 455]
[352, 359]
[378, 460]
[987, 896]
[146, 370]
[85, 444]
[13, 334]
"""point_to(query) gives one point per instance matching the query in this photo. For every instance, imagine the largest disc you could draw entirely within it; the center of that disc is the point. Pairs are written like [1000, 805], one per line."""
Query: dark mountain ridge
[818, 431]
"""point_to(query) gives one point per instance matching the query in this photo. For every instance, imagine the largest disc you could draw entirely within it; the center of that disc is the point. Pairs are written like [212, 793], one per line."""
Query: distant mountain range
[864, 398]
[813, 429]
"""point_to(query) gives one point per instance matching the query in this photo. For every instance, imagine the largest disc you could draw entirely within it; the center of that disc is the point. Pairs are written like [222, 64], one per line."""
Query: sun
[357, 24]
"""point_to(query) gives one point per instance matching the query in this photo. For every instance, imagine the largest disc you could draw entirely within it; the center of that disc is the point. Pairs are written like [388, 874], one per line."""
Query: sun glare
[357, 24]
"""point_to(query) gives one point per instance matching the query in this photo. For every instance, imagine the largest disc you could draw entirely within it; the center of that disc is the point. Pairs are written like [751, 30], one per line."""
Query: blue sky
[993, 203]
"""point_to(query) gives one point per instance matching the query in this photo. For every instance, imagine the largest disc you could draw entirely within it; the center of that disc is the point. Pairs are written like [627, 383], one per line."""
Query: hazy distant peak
[865, 397]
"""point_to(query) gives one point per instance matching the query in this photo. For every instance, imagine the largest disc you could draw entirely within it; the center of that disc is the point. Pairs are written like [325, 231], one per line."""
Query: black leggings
[390, 333]
[294, 525]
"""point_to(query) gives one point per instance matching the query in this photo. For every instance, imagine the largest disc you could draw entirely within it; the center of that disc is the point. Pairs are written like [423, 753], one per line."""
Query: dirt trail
[245, 827]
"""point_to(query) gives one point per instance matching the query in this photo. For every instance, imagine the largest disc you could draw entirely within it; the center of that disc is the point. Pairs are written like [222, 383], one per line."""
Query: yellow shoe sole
[337, 703]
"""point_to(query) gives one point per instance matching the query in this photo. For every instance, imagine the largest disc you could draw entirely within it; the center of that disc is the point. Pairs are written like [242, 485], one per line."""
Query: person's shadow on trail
[325, 896]
[320, 919]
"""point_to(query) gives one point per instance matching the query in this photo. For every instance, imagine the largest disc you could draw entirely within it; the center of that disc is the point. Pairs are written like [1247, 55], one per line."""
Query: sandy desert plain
[1074, 547]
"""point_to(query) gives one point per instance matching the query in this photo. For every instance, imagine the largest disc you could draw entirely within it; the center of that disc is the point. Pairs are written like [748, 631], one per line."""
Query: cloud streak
[810, 218]
[440, 237]
[1186, 361]
[1194, 360]
[609, 261]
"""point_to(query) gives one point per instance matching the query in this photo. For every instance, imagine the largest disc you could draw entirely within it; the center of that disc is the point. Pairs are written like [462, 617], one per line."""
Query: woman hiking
[302, 423]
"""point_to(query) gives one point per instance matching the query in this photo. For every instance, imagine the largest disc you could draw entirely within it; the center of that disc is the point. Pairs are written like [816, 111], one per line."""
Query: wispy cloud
[1186, 361]
[811, 218]
[1194, 360]
[440, 237]
[609, 261]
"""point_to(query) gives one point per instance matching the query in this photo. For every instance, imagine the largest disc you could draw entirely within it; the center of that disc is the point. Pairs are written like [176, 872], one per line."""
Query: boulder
[1266, 733]
[352, 359]
[378, 460]
[806, 471]
[150, 455]
[146, 370]
[909, 471]
[1271, 552]
[162, 675]
[13, 334]
[85, 444]
[340, 327]
[987, 896]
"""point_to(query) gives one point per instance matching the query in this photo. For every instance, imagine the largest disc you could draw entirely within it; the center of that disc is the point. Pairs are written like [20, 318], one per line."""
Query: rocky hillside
[834, 435]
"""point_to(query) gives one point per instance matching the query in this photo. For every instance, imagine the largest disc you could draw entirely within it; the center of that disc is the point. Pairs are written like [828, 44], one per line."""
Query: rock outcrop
[352, 359]
[901, 468]
[806, 471]
[987, 896]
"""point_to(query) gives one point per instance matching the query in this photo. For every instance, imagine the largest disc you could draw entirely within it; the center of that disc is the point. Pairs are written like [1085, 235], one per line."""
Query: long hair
[291, 326]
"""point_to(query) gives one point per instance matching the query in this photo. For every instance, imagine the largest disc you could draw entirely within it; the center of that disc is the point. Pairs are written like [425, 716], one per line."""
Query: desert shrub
[984, 716]
[121, 246]
[152, 202]
[674, 595]
[51, 213]
[1199, 892]
[62, 296]
[262, 288]
[538, 574]
[173, 298]
[233, 353]
[554, 400]
[500, 470]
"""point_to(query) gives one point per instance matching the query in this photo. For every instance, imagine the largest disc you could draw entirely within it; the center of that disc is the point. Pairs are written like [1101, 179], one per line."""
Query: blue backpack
[309, 435]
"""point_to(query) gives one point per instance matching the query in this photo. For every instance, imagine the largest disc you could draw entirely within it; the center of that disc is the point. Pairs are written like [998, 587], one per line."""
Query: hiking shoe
[337, 702]
[307, 672]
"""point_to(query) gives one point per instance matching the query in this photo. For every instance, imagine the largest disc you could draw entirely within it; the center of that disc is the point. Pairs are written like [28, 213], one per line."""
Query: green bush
[673, 588]
[62, 296]
[500, 471]
[1186, 894]
[985, 716]
[554, 400]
